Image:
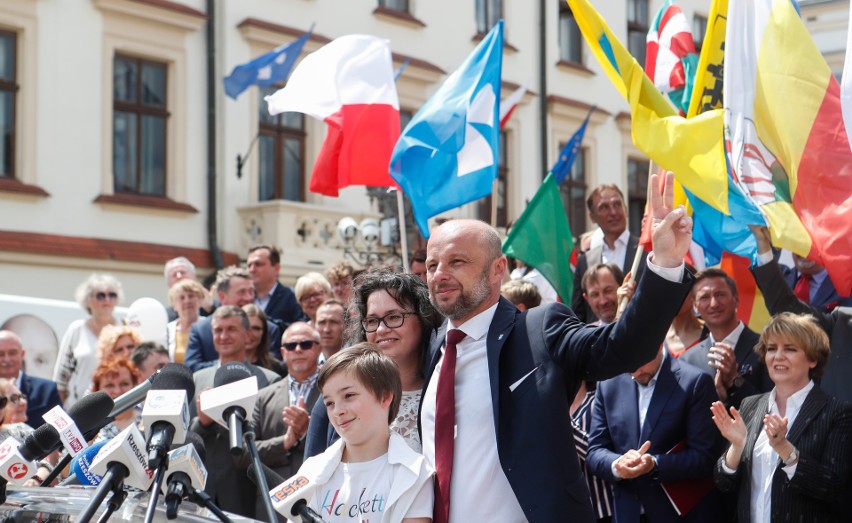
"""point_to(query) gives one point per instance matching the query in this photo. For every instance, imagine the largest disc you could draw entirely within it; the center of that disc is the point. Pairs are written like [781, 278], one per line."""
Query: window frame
[140, 109]
[386, 4]
[280, 133]
[577, 179]
[11, 86]
[483, 15]
[565, 12]
[636, 11]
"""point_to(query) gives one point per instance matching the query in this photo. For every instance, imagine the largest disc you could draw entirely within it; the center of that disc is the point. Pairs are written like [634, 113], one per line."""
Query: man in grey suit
[230, 328]
[608, 211]
[282, 411]
[728, 353]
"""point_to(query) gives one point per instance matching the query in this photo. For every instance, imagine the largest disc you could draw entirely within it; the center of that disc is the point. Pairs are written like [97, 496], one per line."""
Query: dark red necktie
[445, 426]
[803, 288]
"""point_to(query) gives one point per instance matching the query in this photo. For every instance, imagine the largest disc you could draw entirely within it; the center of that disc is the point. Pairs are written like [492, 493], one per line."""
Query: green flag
[541, 238]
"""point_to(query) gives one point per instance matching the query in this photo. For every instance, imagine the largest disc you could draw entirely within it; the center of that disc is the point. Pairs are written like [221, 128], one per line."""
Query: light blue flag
[566, 157]
[268, 69]
[447, 155]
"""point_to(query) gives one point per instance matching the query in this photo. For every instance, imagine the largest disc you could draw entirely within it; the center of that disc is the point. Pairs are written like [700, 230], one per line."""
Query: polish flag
[348, 83]
[508, 105]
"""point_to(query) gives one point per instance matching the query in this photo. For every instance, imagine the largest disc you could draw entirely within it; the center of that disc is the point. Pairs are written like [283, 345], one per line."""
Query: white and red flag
[349, 84]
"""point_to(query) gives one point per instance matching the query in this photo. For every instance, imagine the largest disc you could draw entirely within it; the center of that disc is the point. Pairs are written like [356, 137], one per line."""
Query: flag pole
[494, 186]
[403, 235]
[640, 252]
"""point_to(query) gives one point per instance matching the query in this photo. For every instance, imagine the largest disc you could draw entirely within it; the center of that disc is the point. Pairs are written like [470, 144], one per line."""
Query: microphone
[290, 499]
[88, 413]
[17, 460]
[186, 472]
[81, 465]
[166, 412]
[136, 395]
[229, 402]
[123, 459]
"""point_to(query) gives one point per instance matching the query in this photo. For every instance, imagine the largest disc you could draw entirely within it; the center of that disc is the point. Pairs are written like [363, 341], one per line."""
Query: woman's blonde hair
[804, 332]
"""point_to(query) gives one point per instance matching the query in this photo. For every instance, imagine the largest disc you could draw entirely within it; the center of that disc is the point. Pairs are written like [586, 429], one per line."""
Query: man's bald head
[11, 354]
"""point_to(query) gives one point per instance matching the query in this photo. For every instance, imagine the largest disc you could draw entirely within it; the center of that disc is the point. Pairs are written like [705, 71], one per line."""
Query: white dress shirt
[764, 459]
[479, 489]
[618, 252]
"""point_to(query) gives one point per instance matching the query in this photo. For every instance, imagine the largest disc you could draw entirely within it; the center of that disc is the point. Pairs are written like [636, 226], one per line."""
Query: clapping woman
[790, 453]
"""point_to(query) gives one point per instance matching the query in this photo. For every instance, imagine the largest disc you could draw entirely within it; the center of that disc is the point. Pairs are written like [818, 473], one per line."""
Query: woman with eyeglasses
[391, 310]
[13, 406]
[257, 341]
[311, 290]
[78, 357]
[117, 342]
[117, 376]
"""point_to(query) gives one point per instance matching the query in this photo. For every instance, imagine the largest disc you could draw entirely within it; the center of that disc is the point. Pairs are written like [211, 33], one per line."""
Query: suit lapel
[825, 293]
[501, 325]
[662, 392]
[755, 426]
[813, 404]
[629, 404]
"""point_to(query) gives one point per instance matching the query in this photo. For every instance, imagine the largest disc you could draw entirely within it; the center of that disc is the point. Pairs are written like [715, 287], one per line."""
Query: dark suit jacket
[201, 353]
[837, 378]
[826, 298]
[42, 395]
[822, 433]
[750, 367]
[550, 351]
[283, 309]
[678, 412]
[593, 257]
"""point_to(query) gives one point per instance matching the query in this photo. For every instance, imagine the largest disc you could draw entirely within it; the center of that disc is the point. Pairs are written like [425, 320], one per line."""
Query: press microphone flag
[81, 467]
[240, 394]
[17, 461]
[290, 499]
[70, 435]
[128, 450]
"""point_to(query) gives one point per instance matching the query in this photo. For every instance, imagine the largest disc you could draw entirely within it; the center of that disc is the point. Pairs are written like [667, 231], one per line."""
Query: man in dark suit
[837, 324]
[727, 354]
[41, 394]
[811, 284]
[277, 301]
[234, 287]
[495, 411]
[607, 210]
[638, 418]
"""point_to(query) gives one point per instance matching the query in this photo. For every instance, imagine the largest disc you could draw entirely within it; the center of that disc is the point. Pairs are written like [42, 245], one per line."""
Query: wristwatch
[792, 458]
[738, 382]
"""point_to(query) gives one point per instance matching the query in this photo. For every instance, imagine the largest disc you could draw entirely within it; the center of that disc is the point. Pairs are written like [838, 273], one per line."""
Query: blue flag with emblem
[269, 69]
[447, 155]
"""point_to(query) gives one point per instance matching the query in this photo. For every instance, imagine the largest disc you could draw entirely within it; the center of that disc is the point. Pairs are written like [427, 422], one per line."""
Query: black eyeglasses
[17, 398]
[101, 296]
[304, 345]
[3, 402]
[392, 320]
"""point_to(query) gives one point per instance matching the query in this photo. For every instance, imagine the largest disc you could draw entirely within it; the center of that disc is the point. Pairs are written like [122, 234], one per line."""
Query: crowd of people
[456, 391]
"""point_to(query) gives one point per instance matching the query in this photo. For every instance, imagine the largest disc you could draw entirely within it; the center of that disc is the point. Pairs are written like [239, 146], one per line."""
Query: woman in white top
[391, 310]
[791, 449]
[78, 356]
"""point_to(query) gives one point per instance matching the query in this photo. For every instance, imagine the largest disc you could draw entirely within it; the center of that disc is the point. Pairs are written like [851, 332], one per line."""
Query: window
[488, 13]
[395, 5]
[699, 30]
[139, 126]
[637, 193]
[637, 28]
[484, 206]
[570, 38]
[573, 192]
[8, 90]
[281, 149]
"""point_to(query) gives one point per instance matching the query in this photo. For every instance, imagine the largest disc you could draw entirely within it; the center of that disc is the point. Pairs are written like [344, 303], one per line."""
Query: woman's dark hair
[407, 290]
[261, 352]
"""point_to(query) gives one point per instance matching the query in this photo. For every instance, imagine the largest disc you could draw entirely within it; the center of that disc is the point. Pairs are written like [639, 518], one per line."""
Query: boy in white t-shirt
[370, 475]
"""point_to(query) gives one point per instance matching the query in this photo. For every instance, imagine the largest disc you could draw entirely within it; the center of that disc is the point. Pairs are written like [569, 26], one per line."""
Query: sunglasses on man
[304, 345]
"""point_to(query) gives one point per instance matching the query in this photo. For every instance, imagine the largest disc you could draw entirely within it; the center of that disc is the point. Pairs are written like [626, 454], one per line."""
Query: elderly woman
[77, 357]
[116, 376]
[311, 290]
[13, 406]
[391, 310]
[790, 452]
[257, 341]
[185, 296]
[117, 342]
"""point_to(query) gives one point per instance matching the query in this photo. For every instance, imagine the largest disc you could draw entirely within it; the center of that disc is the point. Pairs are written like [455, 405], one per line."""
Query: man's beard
[467, 301]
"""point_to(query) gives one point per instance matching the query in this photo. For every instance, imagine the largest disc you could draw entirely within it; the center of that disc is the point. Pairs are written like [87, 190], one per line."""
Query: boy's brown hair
[377, 372]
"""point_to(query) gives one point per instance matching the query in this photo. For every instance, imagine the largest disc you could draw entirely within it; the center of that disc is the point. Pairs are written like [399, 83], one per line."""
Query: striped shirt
[600, 490]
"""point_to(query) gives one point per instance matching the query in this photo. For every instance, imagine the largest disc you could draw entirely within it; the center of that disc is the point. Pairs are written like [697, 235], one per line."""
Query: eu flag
[268, 69]
[447, 155]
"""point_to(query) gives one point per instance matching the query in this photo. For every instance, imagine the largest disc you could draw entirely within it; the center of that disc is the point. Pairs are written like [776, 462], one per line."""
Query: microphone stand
[110, 482]
[57, 470]
[115, 501]
[201, 498]
[158, 484]
[307, 514]
[248, 436]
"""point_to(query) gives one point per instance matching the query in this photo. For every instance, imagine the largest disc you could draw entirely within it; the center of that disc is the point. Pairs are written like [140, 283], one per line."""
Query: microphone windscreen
[231, 372]
[175, 376]
[196, 441]
[90, 411]
[40, 442]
